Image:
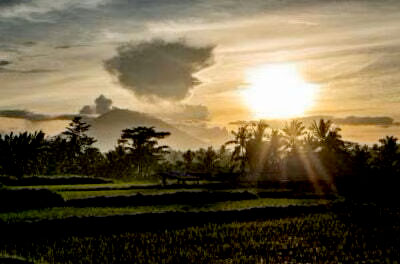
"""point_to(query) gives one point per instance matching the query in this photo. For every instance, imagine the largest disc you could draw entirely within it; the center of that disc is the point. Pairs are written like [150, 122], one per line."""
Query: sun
[277, 91]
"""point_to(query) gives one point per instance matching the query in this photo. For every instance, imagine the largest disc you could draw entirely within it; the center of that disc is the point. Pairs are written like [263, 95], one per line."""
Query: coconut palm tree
[256, 147]
[292, 134]
[239, 153]
[326, 134]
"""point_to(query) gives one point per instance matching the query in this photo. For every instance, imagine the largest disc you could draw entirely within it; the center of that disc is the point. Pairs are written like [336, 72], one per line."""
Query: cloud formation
[102, 105]
[186, 113]
[27, 115]
[4, 62]
[193, 112]
[349, 120]
[365, 120]
[87, 110]
[159, 68]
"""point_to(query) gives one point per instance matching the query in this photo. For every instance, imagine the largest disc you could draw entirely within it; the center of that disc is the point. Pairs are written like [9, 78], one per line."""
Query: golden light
[278, 91]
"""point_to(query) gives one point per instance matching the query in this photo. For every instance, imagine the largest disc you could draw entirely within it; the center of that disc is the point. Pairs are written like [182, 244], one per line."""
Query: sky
[190, 60]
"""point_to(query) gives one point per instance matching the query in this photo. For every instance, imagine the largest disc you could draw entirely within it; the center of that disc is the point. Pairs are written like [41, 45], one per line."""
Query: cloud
[29, 43]
[194, 112]
[27, 9]
[27, 115]
[102, 105]
[187, 112]
[349, 120]
[4, 62]
[32, 71]
[158, 68]
[71, 46]
[365, 120]
[87, 110]
[8, 3]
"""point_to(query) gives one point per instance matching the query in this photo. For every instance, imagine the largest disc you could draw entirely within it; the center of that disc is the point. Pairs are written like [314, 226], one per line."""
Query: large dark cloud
[158, 68]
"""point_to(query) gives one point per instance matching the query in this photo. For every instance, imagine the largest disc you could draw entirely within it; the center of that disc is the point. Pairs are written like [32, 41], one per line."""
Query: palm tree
[188, 158]
[256, 148]
[292, 133]
[388, 156]
[274, 150]
[326, 134]
[239, 154]
[259, 130]
[208, 159]
[22, 154]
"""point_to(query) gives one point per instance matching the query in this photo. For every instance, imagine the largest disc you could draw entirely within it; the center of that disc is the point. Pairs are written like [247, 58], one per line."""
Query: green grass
[63, 212]
[314, 238]
[68, 195]
[85, 186]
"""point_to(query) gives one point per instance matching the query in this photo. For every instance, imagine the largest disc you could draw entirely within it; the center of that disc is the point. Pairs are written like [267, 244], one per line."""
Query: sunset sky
[234, 57]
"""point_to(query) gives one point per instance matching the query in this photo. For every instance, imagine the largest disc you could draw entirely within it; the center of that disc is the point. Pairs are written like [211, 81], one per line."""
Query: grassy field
[314, 238]
[63, 212]
[337, 236]
[111, 186]
[68, 195]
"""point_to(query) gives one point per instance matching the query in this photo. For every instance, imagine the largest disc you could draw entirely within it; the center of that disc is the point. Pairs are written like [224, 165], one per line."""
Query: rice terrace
[199, 131]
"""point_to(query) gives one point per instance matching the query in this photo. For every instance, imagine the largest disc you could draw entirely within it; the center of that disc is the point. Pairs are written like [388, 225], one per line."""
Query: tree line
[256, 153]
[73, 153]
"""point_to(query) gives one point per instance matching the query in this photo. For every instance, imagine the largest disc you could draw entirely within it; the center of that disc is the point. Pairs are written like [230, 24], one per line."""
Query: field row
[64, 212]
[312, 238]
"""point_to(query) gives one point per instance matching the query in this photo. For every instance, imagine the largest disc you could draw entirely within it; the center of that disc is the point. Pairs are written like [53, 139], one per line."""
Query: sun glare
[277, 91]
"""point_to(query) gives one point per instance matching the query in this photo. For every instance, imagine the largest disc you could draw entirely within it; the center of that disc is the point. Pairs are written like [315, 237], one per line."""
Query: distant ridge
[107, 129]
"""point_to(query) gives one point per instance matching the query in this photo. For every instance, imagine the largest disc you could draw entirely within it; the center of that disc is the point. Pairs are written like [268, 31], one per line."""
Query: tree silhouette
[208, 159]
[239, 154]
[274, 149]
[188, 158]
[78, 142]
[327, 135]
[256, 148]
[141, 143]
[292, 133]
[22, 154]
[387, 157]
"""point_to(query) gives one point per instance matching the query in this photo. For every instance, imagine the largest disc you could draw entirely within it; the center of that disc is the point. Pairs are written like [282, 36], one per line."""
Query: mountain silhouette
[107, 129]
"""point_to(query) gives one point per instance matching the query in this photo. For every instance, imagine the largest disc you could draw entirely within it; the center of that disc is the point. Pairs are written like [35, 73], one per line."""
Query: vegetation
[313, 238]
[262, 173]
[256, 154]
[63, 212]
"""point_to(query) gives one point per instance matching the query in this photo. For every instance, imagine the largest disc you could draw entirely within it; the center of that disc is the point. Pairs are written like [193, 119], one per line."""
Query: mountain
[107, 129]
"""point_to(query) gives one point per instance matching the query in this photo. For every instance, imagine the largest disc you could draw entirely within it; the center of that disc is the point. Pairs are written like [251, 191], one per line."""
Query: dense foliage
[256, 153]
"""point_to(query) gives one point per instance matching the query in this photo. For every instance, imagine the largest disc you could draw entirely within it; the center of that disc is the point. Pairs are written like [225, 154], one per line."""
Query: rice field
[314, 238]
